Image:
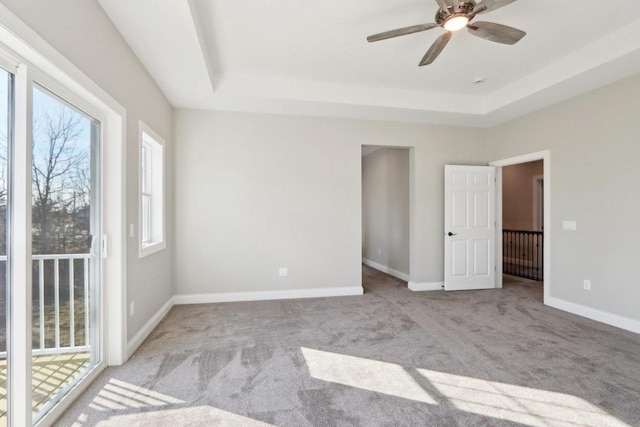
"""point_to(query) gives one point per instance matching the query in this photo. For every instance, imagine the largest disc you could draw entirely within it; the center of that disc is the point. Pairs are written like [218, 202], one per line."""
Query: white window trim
[145, 249]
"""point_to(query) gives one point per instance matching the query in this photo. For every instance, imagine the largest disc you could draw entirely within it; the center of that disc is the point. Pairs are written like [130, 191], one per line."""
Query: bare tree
[56, 161]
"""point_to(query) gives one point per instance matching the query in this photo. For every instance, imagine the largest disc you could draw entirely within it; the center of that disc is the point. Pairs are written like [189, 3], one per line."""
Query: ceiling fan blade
[442, 4]
[490, 5]
[400, 32]
[496, 32]
[436, 48]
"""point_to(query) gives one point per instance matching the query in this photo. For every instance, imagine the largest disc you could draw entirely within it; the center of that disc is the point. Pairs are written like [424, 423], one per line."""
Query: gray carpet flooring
[389, 358]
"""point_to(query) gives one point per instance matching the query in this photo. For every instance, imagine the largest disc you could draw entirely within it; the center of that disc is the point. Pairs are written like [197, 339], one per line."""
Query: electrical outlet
[587, 285]
[379, 251]
[132, 308]
[284, 272]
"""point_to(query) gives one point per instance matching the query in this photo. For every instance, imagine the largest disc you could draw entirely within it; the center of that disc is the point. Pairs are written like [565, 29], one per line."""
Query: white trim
[390, 271]
[426, 286]
[148, 327]
[114, 226]
[536, 226]
[267, 295]
[20, 263]
[525, 158]
[413, 260]
[156, 245]
[545, 156]
[18, 36]
[202, 44]
[594, 314]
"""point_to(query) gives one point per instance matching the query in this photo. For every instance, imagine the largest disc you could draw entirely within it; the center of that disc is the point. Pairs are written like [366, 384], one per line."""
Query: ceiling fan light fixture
[456, 22]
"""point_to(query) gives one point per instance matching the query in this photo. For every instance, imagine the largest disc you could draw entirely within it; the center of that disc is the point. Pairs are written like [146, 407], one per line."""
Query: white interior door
[469, 226]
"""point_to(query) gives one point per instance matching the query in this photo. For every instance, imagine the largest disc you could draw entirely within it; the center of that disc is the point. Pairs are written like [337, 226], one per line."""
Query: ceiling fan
[454, 15]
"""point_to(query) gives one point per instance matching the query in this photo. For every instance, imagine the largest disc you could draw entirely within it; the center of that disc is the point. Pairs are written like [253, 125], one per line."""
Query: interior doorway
[386, 209]
[523, 208]
[522, 224]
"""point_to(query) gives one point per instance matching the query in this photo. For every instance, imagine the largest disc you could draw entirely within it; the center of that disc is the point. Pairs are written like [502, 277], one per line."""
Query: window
[151, 192]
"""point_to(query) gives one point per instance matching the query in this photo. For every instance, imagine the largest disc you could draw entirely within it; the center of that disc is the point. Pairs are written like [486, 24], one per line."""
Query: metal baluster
[520, 246]
[530, 256]
[511, 244]
[529, 253]
[508, 251]
[542, 261]
[537, 256]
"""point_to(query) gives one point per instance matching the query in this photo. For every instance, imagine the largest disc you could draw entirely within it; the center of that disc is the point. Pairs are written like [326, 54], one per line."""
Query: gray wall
[83, 33]
[385, 208]
[595, 146]
[517, 195]
[258, 192]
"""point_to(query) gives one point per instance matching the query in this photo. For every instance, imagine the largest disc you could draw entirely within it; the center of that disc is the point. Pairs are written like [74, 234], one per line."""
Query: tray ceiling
[312, 58]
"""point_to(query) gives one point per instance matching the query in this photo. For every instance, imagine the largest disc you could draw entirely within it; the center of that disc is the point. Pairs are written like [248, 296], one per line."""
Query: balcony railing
[60, 304]
[522, 253]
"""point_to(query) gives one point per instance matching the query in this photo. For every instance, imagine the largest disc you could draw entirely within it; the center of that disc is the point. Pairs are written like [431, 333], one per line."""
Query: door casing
[545, 156]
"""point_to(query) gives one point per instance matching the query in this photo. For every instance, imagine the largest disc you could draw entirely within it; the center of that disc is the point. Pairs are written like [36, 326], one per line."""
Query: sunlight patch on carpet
[119, 395]
[195, 415]
[366, 374]
[518, 404]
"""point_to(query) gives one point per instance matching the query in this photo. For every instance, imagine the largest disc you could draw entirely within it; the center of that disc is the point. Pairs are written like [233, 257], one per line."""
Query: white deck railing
[42, 348]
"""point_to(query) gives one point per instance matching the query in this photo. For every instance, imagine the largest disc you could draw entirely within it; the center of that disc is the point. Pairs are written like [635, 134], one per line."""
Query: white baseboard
[143, 333]
[390, 271]
[426, 286]
[594, 314]
[266, 295]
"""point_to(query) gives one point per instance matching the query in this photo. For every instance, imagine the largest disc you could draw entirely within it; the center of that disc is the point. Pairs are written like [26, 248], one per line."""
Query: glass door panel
[6, 89]
[65, 259]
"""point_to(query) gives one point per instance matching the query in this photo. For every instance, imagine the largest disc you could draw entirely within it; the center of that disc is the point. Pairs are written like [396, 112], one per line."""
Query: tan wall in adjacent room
[518, 195]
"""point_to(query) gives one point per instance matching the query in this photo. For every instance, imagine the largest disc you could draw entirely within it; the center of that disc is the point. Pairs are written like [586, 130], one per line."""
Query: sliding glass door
[65, 224]
[6, 89]
[50, 252]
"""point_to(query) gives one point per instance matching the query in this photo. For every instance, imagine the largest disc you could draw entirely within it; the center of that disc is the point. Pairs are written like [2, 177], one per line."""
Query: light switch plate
[569, 225]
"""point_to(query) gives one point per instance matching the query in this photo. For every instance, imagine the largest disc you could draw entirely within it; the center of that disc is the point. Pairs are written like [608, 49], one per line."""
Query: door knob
[452, 234]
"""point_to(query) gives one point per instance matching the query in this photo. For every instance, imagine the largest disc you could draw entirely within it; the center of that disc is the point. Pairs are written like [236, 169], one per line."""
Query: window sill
[151, 248]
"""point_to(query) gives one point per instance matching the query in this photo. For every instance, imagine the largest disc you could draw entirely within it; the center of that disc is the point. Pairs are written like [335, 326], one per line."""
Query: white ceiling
[312, 58]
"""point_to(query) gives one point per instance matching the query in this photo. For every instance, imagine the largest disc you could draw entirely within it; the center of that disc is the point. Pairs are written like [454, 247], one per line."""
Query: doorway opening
[386, 210]
[523, 209]
[522, 224]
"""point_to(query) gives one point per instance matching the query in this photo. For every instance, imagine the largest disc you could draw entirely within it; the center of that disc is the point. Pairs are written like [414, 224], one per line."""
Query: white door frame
[545, 156]
[537, 202]
[412, 241]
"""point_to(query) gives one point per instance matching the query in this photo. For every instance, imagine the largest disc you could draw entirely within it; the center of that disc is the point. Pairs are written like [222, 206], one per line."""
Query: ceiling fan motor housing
[464, 8]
